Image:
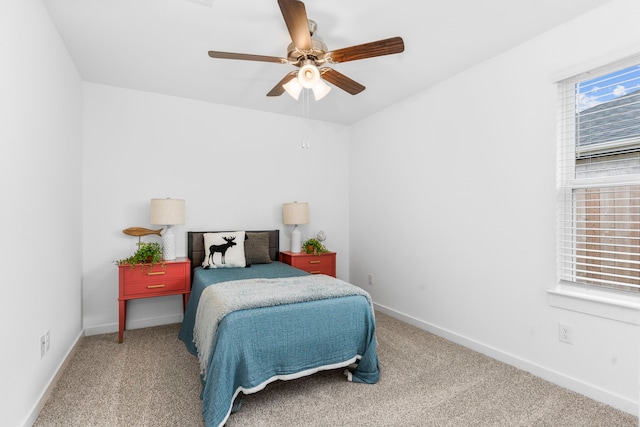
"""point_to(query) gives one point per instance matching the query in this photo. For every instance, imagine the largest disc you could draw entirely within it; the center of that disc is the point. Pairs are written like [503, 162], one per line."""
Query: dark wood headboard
[195, 245]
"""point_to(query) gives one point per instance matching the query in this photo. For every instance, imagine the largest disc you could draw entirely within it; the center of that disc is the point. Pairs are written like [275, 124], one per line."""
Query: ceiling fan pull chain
[305, 122]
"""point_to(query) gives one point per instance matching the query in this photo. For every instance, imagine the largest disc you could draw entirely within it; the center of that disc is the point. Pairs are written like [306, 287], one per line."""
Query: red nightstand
[141, 282]
[314, 264]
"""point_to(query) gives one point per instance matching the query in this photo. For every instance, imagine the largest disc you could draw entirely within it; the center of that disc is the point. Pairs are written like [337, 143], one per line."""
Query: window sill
[602, 303]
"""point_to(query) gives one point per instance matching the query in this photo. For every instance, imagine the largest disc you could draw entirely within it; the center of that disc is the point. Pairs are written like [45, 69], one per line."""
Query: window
[599, 178]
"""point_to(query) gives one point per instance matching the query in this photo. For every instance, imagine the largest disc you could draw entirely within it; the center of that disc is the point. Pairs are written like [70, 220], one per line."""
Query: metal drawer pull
[314, 262]
[315, 272]
[155, 273]
[156, 286]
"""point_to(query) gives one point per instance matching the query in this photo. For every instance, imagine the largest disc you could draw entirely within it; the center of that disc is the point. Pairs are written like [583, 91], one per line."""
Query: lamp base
[296, 240]
[169, 245]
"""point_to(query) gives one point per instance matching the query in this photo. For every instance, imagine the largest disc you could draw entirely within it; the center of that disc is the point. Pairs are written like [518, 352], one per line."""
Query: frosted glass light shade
[308, 76]
[320, 90]
[293, 87]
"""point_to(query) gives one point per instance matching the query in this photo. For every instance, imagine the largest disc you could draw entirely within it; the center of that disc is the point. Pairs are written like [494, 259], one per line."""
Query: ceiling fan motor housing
[317, 54]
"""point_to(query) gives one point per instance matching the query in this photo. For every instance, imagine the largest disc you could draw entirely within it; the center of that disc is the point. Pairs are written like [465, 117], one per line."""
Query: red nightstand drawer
[314, 264]
[321, 270]
[156, 286]
[141, 273]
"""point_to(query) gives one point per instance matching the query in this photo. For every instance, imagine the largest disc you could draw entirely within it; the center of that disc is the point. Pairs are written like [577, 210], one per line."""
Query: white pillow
[224, 250]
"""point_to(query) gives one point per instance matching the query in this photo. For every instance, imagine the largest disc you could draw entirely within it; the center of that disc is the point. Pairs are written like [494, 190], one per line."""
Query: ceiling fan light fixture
[293, 88]
[309, 75]
[320, 90]
[307, 52]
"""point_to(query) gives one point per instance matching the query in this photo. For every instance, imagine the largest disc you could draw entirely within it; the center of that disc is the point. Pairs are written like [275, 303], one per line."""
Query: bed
[267, 321]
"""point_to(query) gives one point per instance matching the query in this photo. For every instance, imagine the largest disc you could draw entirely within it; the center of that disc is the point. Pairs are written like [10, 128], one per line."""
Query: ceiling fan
[310, 55]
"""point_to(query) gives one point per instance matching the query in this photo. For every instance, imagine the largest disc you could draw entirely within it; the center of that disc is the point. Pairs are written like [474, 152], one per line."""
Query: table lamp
[167, 212]
[294, 214]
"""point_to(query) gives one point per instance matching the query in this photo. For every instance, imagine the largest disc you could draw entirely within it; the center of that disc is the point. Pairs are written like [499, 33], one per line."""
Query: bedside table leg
[122, 317]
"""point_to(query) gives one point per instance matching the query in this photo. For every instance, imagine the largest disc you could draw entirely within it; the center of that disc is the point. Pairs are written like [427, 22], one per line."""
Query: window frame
[622, 305]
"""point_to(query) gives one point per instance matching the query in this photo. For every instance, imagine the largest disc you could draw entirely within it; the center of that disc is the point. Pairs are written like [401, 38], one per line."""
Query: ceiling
[161, 45]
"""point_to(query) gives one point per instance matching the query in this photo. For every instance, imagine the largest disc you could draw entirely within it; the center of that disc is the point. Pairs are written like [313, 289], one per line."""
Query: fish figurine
[139, 231]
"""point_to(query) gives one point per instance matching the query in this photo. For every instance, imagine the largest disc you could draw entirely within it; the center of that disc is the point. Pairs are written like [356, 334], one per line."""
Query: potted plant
[148, 253]
[313, 246]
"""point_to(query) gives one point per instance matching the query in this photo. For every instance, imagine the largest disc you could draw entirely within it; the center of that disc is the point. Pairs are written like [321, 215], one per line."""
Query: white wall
[40, 211]
[233, 167]
[453, 201]
[464, 271]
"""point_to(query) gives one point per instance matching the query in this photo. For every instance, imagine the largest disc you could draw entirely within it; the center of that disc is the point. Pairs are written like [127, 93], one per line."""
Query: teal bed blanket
[256, 346]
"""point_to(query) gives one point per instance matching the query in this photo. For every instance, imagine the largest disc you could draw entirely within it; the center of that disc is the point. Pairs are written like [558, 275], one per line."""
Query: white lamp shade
[295, 213]
[308, 76]
[293, 87]
[167, 211]
[320, 90]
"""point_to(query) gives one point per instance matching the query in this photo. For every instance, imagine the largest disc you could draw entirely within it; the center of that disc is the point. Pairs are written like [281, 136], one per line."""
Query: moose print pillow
[224, 250]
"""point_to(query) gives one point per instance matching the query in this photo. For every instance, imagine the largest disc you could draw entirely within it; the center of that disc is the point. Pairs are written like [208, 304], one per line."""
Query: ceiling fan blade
[367, 50]
[342, 81]
[295, 16]
[279, 89]
[247, 57]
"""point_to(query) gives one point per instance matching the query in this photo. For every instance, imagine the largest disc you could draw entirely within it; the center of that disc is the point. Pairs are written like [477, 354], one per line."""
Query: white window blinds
[599, 177]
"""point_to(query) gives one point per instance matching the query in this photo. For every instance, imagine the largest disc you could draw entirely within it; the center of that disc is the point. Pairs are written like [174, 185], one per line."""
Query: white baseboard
[42, 400]
[135, 324]
[596, 393]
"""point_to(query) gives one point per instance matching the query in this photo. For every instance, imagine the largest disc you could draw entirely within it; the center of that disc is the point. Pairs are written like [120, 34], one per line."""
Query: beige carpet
[151, 380]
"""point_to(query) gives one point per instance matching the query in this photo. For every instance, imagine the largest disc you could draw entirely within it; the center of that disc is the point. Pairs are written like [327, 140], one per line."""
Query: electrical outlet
[47, 338]
[565, 333]
[371, 279]
[43, 346]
